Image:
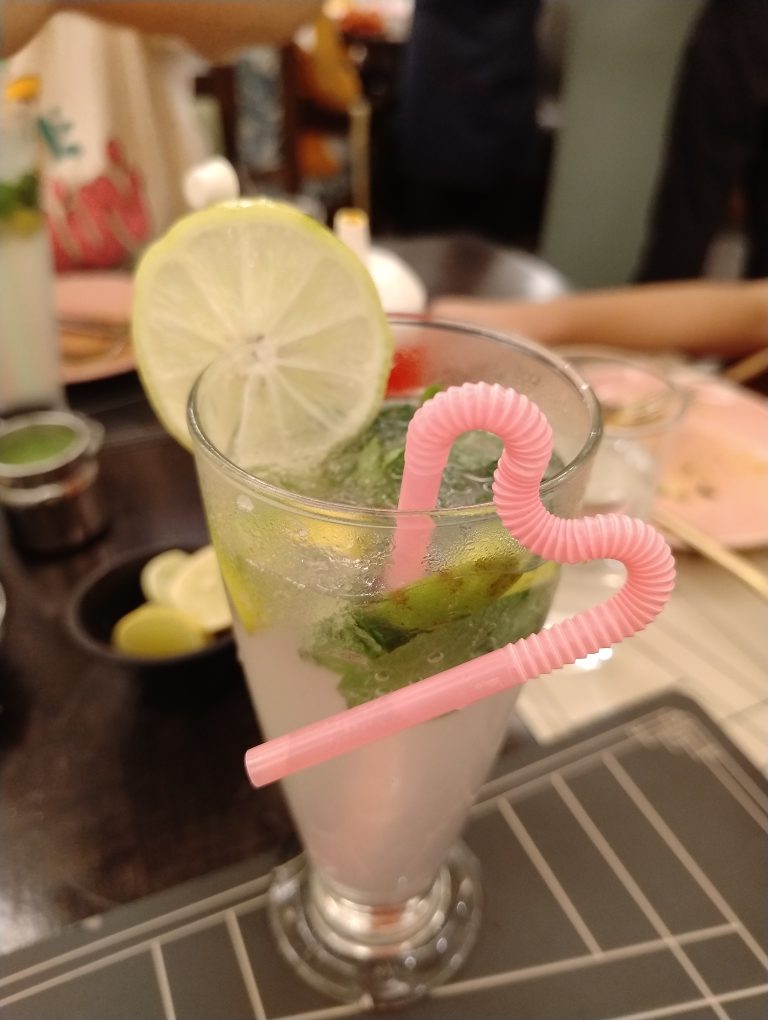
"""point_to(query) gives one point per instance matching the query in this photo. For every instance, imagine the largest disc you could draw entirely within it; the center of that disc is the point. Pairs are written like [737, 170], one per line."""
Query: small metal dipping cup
[49, 480]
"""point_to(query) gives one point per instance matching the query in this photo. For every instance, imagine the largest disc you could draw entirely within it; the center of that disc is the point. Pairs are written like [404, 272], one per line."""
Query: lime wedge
[197, 590]
[541, 575]
[157, 574]
[249, 604]
[262, 273]
[157, 632]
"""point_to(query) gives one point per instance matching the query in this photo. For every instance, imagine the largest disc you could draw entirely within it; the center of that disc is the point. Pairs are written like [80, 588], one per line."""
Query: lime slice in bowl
[197, 590]
[158, 632]
[158, 572]
[263, 274]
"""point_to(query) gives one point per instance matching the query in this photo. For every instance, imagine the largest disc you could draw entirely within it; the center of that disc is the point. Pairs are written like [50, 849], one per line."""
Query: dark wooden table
[114, 783]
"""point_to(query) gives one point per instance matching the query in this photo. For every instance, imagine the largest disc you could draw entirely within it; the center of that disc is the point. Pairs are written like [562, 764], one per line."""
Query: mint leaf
[430, 391]
[504, 621]
[339, 643]
[27, 190]
[8, 200]
[437, 622]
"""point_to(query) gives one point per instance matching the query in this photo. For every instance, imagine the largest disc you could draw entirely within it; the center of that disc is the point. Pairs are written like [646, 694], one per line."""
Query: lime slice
[157, 632]
[196, 589]
[262, 273]
[338, 538]
[248, 603]
[157, 574]
[540, 575]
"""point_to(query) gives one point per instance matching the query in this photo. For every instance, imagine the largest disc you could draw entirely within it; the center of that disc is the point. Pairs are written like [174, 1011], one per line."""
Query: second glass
[29, 344]
[385, 902]
[641, 408]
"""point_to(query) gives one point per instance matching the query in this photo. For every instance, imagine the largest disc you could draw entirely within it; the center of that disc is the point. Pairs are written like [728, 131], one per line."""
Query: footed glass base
[380, 956]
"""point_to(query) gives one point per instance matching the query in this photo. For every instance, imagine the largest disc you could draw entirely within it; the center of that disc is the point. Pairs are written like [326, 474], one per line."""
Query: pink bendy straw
[527, 441]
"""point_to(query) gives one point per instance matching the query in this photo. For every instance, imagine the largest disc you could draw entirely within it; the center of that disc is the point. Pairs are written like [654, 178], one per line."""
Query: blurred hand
[217, 29]
[19, 21]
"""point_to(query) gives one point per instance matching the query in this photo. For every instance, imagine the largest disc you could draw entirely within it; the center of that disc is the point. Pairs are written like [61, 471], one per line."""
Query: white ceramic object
[210, 182]
[400, 289]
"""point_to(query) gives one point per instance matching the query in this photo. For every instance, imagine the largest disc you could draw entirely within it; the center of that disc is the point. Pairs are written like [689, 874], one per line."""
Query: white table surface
[710, 643]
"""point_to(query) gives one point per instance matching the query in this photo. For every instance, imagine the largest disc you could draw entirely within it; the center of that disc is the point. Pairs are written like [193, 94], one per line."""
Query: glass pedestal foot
[381, 956]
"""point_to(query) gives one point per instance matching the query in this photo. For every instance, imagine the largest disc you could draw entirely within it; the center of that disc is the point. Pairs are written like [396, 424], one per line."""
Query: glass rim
[379, 515]
[677, 396]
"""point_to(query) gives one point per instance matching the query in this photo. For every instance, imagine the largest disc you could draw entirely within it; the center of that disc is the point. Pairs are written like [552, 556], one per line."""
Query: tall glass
[29, 351]
[385, 902]
[641, 408]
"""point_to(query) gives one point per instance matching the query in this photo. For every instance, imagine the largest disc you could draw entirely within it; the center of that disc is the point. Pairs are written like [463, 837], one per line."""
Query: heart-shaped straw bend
[527, 440]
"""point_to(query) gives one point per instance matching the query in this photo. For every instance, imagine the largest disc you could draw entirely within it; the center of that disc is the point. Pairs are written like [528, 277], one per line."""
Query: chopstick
[747, 368]
[703, 543]
[94, 327]
[90, 339]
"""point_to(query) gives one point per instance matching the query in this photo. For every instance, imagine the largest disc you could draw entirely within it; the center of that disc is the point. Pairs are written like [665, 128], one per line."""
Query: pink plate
[716, 475]
[104, 296]
[95, 299]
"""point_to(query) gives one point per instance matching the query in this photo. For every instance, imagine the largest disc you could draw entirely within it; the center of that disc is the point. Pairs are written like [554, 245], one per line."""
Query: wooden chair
[220, 84]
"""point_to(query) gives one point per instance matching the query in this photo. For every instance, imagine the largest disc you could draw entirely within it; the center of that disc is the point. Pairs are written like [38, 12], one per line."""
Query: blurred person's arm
[215, 28]
[19, 21]
[699, 317]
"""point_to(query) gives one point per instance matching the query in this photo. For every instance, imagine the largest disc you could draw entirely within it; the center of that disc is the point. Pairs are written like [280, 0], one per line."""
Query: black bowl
[108, 594]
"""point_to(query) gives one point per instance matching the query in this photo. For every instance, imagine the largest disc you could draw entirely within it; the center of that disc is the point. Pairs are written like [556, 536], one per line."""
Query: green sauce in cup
[49, 480]
[34, 443]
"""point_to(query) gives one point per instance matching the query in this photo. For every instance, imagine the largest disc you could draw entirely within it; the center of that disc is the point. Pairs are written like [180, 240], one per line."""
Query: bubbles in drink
[369, 470]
